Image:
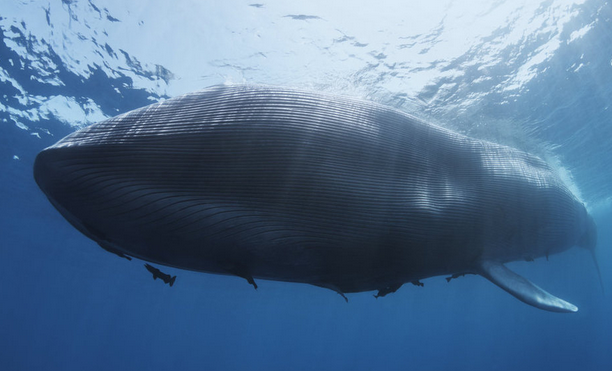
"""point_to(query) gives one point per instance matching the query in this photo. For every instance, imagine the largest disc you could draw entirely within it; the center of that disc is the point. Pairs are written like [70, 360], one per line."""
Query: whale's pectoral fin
[523, 289]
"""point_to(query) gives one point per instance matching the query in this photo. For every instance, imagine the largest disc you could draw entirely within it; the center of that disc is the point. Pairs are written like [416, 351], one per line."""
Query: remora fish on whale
[281, 184]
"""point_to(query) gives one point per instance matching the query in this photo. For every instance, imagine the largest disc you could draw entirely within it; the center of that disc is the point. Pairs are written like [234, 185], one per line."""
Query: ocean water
[533, 75]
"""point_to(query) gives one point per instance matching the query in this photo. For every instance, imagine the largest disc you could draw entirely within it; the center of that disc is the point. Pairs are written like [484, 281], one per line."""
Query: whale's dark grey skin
[281, 184]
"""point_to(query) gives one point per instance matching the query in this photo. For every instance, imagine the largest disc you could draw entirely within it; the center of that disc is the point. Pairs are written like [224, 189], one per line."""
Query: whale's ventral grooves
[281, 184]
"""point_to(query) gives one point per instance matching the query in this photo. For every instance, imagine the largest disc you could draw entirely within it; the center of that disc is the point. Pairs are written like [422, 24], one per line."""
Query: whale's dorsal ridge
[522, 288]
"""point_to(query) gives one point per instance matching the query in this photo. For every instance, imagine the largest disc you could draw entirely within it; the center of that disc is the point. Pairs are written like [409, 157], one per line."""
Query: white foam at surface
[579, 33]
[191, 38]
[4, 76]
[75, 30]
[67, 110]
[21, 125]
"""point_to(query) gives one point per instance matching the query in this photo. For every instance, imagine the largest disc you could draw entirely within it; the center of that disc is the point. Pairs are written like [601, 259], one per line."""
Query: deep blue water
[69, 305]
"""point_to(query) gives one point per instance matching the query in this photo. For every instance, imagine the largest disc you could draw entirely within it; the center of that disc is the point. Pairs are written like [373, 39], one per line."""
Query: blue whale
[281, 184]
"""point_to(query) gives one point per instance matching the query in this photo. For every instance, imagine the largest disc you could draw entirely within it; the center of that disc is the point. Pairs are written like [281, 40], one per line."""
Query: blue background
[69, 305]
